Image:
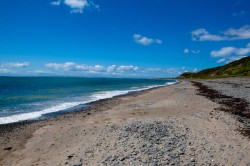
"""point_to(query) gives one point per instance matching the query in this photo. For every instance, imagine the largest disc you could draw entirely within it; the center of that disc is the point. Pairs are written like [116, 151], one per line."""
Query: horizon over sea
[28, 98]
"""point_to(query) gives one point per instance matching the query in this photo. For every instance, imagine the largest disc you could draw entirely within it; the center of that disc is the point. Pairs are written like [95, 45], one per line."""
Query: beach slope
[171, 125]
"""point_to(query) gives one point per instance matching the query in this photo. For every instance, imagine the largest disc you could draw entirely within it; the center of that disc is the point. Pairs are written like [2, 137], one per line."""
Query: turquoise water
[23, 98]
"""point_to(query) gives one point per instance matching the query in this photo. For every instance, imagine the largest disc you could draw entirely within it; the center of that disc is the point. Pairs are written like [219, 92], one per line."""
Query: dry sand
[93, 136]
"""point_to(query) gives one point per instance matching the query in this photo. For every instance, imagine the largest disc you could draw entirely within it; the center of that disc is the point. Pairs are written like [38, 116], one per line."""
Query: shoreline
[63, 139]
[81, 107]
[87, 110]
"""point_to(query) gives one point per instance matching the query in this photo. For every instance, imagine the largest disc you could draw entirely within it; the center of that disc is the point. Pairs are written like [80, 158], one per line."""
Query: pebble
[155, 143]
[192, 160]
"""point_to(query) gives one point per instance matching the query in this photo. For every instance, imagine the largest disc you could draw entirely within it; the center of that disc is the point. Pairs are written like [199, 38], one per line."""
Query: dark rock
[8, 148]
[70, 157]
[123, 158]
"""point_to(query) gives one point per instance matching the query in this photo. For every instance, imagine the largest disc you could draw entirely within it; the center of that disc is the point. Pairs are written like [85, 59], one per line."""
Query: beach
[172, 125]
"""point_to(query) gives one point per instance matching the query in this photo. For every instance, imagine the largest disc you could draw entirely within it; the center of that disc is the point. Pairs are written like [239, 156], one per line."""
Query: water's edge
[73, 107]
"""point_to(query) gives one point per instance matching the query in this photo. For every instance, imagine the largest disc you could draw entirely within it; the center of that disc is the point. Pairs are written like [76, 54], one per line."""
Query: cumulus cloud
[187, 51]
[71, 66]
[111, 68]
[126, 68]
[77, 6]
[225, 51]
[145, 40]
[16, 64]
[230, 34]
[241, 33]
[229, 54]
[203, 35]
[97, 68]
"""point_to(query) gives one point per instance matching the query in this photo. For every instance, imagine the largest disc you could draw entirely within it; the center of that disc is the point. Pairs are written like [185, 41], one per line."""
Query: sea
[32, 98]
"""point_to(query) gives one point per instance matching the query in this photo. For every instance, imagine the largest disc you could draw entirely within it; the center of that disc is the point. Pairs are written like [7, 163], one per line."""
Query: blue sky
[121, 38]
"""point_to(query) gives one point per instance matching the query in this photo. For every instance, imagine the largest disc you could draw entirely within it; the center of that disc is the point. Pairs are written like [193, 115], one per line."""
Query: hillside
[236, 68]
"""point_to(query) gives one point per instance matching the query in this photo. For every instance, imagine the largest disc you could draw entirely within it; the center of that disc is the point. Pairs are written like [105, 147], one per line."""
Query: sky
[121, 38]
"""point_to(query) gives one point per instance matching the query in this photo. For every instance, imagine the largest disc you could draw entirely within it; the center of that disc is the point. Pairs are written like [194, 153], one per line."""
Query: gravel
[237, 87]
[180, 140]
[203, 138]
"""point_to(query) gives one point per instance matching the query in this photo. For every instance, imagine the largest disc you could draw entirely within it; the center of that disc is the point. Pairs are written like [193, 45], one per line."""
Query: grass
[234, 69]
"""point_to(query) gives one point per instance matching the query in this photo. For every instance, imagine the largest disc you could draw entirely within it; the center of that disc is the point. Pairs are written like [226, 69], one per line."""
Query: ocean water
[26, 98]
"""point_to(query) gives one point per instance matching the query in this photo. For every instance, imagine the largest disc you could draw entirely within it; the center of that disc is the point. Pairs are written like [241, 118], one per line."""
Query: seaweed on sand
[236, 106]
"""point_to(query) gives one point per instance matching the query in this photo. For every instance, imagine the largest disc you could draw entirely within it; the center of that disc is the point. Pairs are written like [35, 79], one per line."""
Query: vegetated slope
[236, 68]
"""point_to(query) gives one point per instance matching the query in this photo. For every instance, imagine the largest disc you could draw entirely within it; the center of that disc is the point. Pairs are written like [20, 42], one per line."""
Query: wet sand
[89, 137]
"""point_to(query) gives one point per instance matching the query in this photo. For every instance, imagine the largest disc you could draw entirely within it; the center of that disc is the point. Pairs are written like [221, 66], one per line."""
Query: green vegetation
[236, 68]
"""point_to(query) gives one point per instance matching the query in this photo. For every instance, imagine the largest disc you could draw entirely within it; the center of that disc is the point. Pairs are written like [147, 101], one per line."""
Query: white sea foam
[37, 114]
[64, 106]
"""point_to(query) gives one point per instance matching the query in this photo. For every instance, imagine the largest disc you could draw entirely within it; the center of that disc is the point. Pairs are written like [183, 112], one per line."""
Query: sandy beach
[171, 125]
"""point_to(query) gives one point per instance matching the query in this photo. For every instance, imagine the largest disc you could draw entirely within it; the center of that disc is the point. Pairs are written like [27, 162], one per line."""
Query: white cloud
[229, 54]
[230, 34]
[241, 33]
[242, 51]
[97, 68]
[186, 51]
[72, 68]
[195, 70]
[145, 40]
[203, 35]
[56, 3]
[77, 6]
[221, 60]
[126, 68]
[111, 68]
[195, 51]
[5, 71]
[225, 51]
[234, 58]
[16, 64]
